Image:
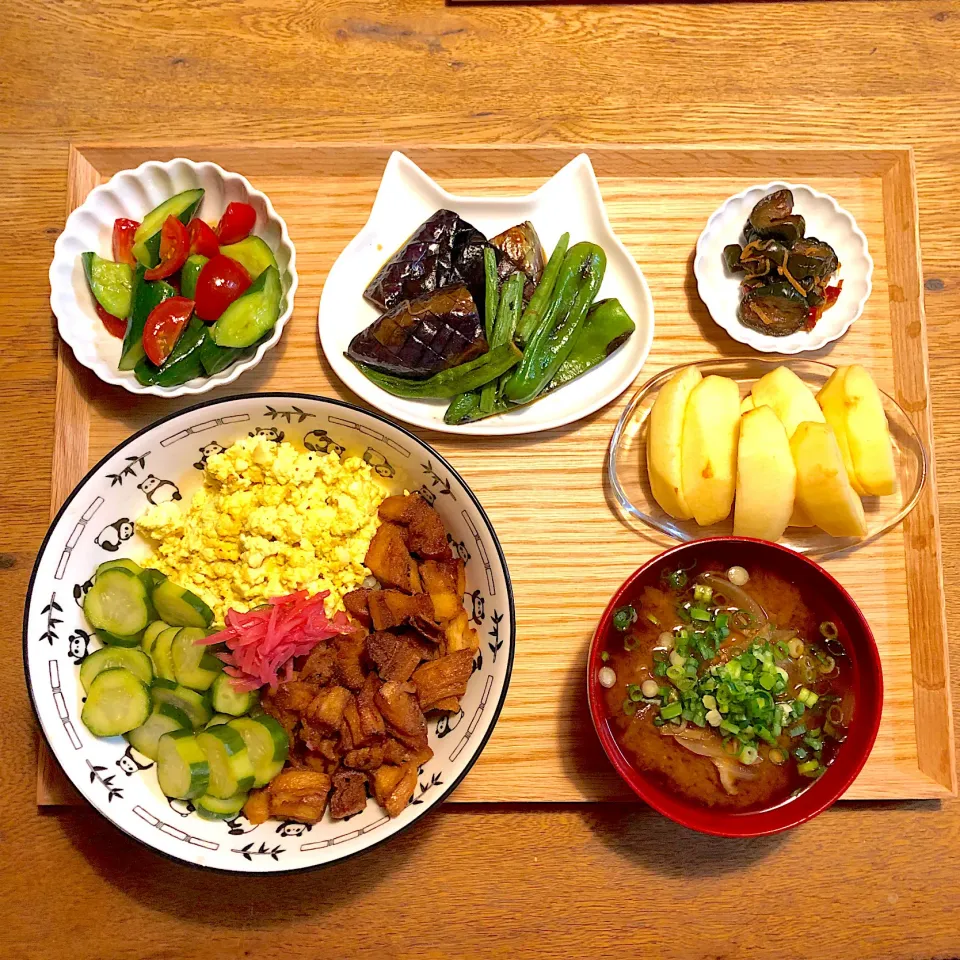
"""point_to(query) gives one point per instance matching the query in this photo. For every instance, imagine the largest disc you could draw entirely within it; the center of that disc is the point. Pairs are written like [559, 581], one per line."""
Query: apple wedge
[823, 488]
[799, 517]
[664, 438]
[868, 434]
[833, 403]
[711, 426]
[783, 391]
[766, 477]
[747, 404]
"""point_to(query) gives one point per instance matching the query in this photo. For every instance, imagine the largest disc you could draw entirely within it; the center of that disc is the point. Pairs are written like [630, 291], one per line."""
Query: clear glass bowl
[634, 502]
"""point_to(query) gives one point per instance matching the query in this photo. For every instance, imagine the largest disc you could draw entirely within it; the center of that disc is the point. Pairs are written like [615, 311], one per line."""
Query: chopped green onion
[829, 629]
[826, 664]
[702, 593]
[698, 613]
[709, 701]
[801, 753]
[729, 727]
[671, 711]
[629, 708]
[650, 688]
[798, 731]
[660, 669]
[796, 648]
[777, 757]
[835, 714]
[634, 692]
[630, 643]
[807, 697]
[623, 617]
[748, 755]
[741, 619]
[677, 579]
[604, 656]
[652, 619]
[809, 769]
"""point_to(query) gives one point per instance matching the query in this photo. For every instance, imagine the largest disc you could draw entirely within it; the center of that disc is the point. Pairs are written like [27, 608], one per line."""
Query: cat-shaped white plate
[570, 201]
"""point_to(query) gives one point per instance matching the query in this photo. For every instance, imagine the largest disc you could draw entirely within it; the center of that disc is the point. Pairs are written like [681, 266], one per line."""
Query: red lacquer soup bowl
[866, 684]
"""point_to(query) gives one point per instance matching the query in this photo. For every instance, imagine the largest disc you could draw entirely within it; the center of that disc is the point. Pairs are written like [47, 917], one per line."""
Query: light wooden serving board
[546, 493]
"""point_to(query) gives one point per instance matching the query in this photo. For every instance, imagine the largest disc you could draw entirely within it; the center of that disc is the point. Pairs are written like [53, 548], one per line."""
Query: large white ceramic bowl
[133, 193]
[569, 201]
[95, 525]
[826, 220]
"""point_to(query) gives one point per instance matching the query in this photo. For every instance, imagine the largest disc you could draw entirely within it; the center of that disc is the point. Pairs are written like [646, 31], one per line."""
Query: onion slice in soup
[705, 744]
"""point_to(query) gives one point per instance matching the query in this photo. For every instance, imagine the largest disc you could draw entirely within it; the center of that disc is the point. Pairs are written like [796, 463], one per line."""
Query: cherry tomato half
[116, 327]
[174, 247]
[123, 231]
[221, 281]
[164, 326]
[236, 223]
[202, 238]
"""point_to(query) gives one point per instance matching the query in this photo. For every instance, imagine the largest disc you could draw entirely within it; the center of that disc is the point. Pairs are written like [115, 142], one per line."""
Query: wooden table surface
[863, 880]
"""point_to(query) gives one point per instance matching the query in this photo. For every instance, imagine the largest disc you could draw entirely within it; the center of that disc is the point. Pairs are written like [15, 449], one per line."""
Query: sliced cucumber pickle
[230, 768]
[193, 704]
[111, 283]
[162, 653]
[117, 702]
[117, 603]
[267, 744]
[107, 658]
[146, 241]
[227, 699]
[151, 633]
[182, 768]
[213, 808]
[165, 718]
[193, 665]
[253, 254]
[180, 607]
[121, 562]
[252, 315]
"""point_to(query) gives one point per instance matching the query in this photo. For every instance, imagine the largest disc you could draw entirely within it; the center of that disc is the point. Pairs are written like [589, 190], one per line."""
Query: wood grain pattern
[879, 879]
[657, 200]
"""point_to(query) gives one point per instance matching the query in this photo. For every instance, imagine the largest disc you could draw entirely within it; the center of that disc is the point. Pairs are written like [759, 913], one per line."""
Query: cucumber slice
[226, 699]
[213, 808]
[108, 658]
[117, 702]
[146, 296]
[117, 603]
[111, 283]
[112, 640]
[162, 653]
[252, 254]
[180, 607]
[151, 633]
[121, 562]
[267, 744]
[182, 365]
[219, 718]
[146, 241]
[231, 770]
[214, 358]
[165, 718]
[189, 273]
[249, 317]
[193, 665]
[182, 768]
[193, 704]
[152, 579]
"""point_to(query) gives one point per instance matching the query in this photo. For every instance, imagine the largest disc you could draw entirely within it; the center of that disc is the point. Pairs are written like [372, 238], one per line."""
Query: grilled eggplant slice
[519, 249]
[419, 338]
[445, 250]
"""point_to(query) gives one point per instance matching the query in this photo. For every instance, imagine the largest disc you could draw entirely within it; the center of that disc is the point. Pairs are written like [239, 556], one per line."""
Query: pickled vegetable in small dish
[492, 316]
[788, 278]
[783, 268]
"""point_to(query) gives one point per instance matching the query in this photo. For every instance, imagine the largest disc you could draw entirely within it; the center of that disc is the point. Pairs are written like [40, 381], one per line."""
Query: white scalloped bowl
[133, 193]
[826, 219]
[569, 201]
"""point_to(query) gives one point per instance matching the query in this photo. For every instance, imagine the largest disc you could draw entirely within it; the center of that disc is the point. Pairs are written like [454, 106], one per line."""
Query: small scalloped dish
[826, 220]
[633, 500]
[569, 201]
[133, 193]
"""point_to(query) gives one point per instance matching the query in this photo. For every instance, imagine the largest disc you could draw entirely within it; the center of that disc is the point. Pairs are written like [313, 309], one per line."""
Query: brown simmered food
[786, 275]
[519, 249]
[356, 711]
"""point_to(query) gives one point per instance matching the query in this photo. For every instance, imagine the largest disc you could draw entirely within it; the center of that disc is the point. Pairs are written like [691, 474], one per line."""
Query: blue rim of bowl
[253, 396]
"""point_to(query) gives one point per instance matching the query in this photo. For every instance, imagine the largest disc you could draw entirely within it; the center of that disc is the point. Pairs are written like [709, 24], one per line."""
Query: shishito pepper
[536, 310]
[448, 383]
[607, 327]
[580, 274]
